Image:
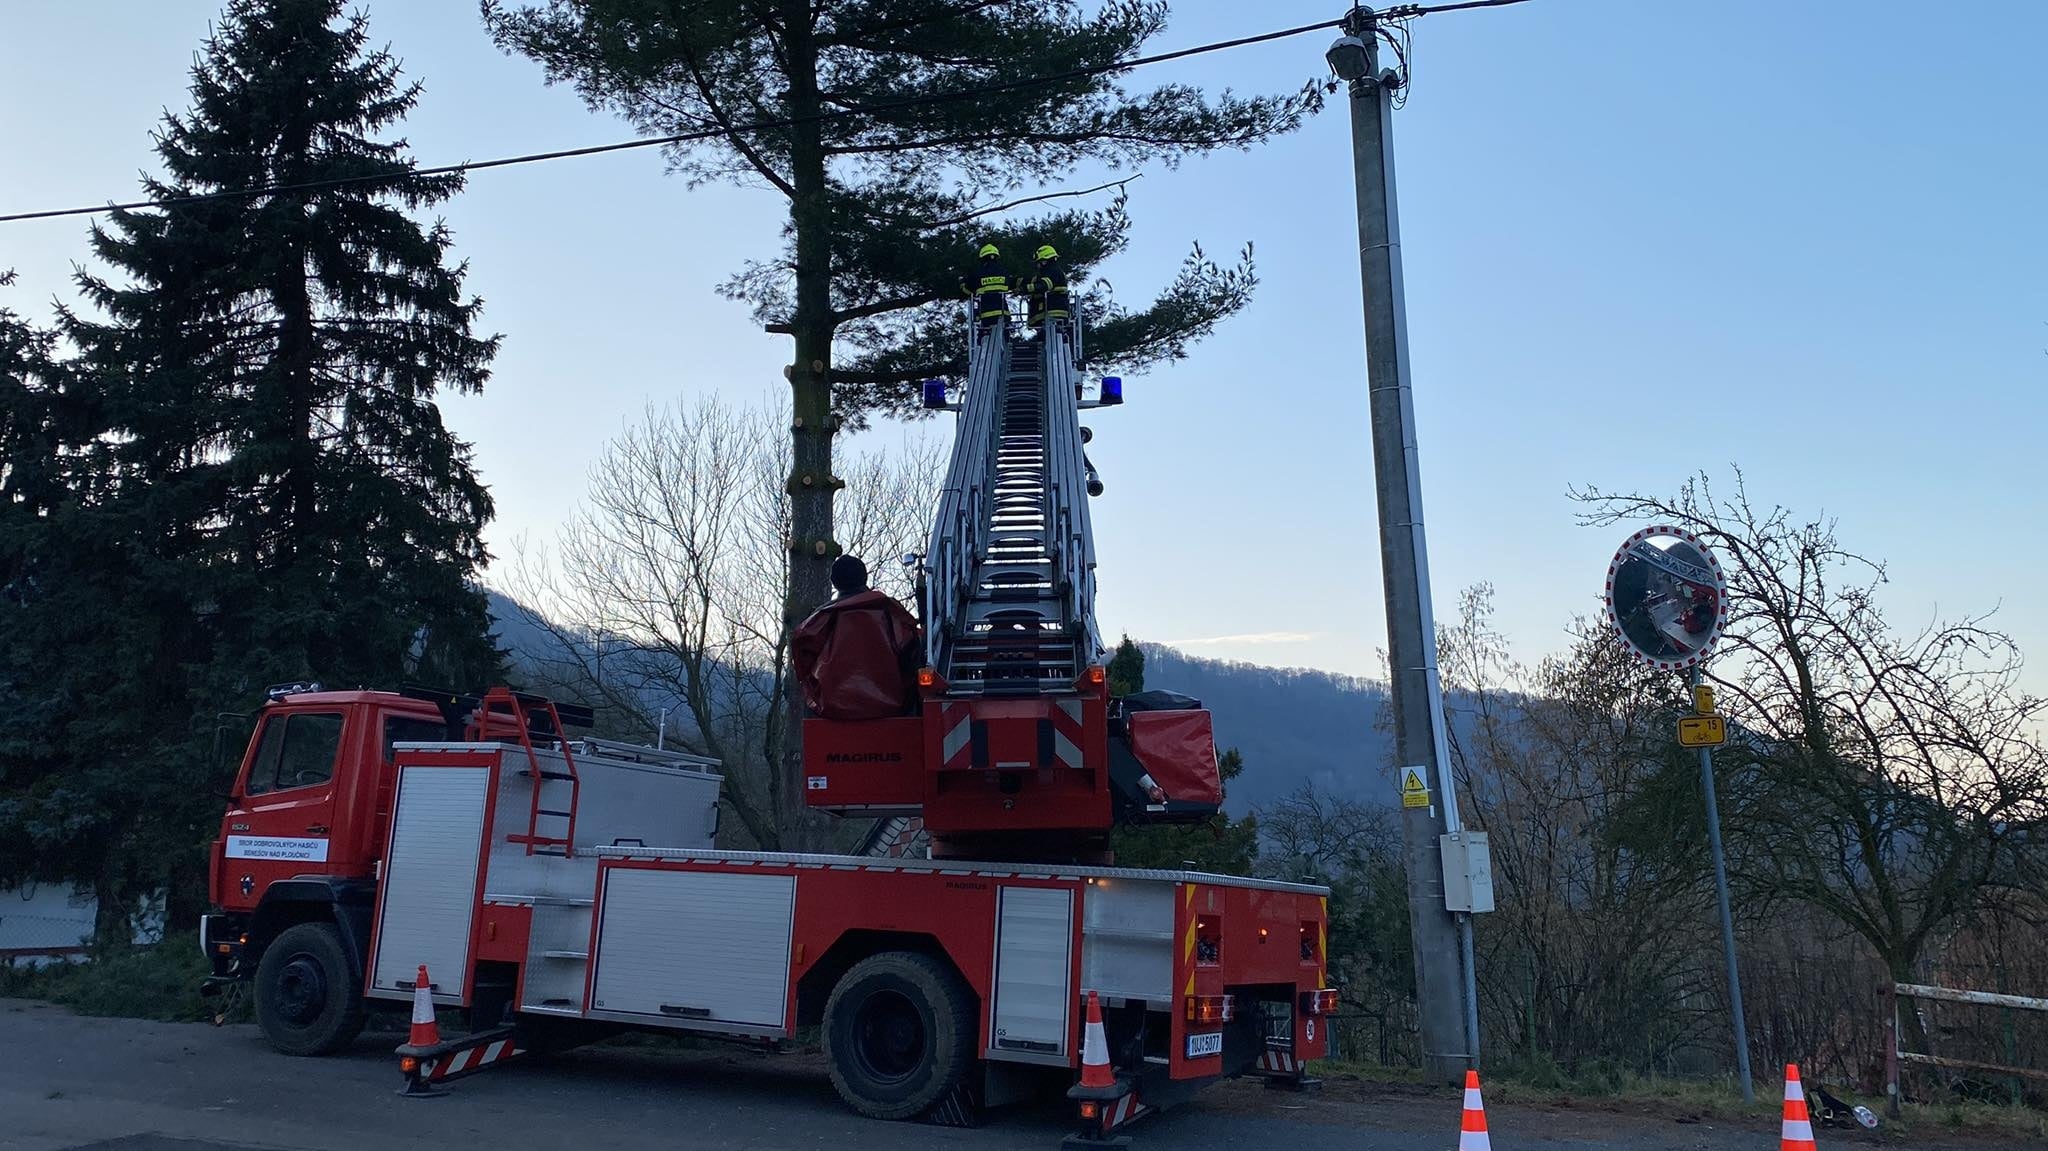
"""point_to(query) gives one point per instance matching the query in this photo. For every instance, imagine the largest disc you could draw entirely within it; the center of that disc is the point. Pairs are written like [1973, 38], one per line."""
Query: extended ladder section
[1010, 570]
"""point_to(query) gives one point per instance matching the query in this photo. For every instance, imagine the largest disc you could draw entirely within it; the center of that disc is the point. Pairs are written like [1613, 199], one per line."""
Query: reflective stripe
[956, 739]
[1064, 748]
[1797, 1131]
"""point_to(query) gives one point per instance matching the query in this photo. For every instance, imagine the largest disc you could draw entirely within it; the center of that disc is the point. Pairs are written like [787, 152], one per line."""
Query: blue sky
[1642, 239]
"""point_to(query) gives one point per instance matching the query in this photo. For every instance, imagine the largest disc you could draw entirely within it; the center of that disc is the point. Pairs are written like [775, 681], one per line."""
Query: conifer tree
[272, 362]
[242, 477]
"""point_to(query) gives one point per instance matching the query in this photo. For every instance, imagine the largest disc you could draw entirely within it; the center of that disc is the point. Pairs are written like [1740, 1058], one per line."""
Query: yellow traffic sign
[1703, 699]
[1702, 731]
[1414, 792]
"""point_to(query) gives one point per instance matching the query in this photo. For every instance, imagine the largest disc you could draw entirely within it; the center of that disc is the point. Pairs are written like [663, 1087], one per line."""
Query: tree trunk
[811, 484]
[1912, 1033]
[110, 929]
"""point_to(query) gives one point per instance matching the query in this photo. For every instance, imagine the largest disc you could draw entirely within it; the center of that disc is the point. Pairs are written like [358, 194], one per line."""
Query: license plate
[1204, 1045]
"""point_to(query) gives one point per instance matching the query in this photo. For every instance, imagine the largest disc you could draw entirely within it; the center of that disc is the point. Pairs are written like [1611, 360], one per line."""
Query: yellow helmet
[988, 250]
[1046, 253]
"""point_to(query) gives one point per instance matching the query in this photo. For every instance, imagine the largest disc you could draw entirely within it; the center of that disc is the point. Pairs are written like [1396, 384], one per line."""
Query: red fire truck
[560, 889]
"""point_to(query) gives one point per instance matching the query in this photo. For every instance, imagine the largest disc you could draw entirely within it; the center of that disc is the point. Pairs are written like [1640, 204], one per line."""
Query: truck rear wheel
[307, 1001]
[899, 1032]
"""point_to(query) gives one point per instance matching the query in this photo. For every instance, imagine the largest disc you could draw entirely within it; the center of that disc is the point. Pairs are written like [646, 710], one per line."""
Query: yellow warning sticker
[1414, 792]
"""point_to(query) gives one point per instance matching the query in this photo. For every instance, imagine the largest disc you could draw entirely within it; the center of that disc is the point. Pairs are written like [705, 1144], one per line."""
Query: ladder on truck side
[1010, 568]
[529, 715]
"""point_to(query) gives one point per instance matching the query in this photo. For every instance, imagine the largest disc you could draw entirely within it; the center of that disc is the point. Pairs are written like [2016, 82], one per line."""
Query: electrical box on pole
[1468, 871]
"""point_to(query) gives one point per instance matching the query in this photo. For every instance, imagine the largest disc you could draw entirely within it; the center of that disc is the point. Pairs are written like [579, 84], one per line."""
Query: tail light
[1211, 1008]
[1319, 1002]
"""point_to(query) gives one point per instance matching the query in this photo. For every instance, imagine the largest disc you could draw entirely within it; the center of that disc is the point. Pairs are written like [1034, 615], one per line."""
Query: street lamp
[1349, 58]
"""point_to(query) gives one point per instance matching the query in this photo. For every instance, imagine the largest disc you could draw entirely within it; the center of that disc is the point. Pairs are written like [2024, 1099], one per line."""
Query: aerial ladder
[1015, 749]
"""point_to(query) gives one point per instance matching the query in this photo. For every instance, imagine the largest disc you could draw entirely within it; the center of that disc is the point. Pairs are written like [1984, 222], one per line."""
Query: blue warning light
[1112, 390]
[935, 393]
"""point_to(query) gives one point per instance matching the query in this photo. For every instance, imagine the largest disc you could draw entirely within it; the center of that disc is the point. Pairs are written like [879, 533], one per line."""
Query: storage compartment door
[428, 892]
[1030, 1018]
[695, 946]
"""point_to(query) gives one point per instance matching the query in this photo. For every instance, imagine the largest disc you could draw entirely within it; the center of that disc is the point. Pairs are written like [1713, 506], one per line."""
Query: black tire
[900, 1030]
[308, 1001]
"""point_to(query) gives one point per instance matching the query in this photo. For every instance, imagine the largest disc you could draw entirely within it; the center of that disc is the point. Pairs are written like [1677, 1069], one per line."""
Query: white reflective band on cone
[1798, 1131]
[422, 1004]
[1094, 1046]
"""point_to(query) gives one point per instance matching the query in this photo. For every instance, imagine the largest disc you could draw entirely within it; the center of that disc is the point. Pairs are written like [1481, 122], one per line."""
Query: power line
[1402, 12]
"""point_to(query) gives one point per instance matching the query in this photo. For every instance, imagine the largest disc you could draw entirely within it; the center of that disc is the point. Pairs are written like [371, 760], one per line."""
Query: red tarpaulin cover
[854, 658]
[1178, 750]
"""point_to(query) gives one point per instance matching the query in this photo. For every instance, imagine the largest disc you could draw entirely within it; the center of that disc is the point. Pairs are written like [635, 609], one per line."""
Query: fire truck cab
[298, 852]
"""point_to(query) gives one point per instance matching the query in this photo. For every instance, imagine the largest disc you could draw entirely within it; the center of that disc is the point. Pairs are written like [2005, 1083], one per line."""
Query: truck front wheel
[900, 1032]
[307, 1001]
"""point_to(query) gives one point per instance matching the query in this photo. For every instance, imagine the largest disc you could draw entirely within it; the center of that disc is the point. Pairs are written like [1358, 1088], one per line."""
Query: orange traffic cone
[426, 1031]
[1797, 1133]
[1095, 1070]
[1472, 1133]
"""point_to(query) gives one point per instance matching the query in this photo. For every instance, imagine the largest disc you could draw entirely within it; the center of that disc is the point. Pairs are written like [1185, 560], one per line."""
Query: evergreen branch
[878, 307]
[733, 135]
[994, 209]
[895, 375]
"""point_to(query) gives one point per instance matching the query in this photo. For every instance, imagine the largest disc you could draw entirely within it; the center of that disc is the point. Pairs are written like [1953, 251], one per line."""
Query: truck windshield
[296, 750]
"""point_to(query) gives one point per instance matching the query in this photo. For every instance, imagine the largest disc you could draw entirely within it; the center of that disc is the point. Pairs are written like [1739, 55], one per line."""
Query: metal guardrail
[1894, 1055]
[960, 528]
[1073, 534]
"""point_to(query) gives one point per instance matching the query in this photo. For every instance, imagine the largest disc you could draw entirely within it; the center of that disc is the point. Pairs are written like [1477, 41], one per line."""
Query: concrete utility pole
[1442, 941]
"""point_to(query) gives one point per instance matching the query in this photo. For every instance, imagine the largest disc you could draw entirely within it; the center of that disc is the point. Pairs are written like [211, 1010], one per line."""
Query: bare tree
[1595, 949]
[1894, 781]
[666, 589]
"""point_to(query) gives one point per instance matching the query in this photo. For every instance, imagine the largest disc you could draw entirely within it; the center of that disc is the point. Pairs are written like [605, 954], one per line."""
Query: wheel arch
[346, 904]
[815, 986]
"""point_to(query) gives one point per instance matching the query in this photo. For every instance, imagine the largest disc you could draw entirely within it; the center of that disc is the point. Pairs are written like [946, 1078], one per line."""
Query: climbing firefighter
[1050, 300]
[988, 288]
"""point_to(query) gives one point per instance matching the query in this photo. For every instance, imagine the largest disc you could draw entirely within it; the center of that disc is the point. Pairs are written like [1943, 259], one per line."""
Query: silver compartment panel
[689, 946]
[428, 892]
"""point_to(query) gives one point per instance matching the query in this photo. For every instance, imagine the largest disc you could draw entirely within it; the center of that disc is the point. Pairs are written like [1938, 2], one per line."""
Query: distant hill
[1293, 725]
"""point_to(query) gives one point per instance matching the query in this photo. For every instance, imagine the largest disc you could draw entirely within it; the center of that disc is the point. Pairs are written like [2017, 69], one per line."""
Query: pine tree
[272, 362]
[896, 163]
[243, 477]
[1127, 669]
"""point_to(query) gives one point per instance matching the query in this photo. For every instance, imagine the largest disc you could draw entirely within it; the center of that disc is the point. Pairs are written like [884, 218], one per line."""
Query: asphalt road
[69, 1082]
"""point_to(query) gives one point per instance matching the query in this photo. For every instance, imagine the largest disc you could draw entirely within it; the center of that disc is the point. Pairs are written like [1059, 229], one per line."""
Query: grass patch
[155, 982]
[1595, 1087]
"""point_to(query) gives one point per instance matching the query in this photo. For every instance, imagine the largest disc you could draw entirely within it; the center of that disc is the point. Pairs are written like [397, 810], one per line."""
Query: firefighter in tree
[1050, 300]
[988, 288]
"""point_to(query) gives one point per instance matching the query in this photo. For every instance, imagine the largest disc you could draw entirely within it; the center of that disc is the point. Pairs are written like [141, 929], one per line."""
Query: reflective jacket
[989, 288]
[1049, 295]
